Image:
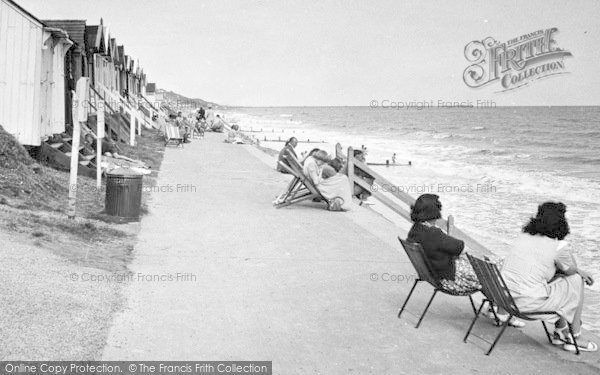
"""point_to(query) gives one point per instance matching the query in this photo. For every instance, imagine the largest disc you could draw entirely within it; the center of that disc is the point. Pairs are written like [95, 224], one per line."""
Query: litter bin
[123, 193]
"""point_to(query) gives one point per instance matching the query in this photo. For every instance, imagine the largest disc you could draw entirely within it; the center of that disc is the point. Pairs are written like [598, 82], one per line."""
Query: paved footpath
[308, 289]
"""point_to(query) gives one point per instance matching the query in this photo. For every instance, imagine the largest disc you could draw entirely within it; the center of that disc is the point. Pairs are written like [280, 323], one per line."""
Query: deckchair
[172, 135]
[425, 273]
[495, 290]
[300, 188]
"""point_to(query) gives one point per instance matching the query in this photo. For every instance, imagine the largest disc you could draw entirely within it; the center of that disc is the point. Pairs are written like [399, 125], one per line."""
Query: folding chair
[495, 290]
[425, 272]
[300, 188]
[172, 135]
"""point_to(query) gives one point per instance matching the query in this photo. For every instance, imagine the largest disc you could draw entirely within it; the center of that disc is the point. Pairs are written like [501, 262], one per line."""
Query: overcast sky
[276, 53]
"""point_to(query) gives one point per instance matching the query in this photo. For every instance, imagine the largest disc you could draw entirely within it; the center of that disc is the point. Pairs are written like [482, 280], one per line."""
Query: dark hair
[313, 151]
[290, 141]
[358, 152]
[427, 207]
[336, 164]
[549, 221]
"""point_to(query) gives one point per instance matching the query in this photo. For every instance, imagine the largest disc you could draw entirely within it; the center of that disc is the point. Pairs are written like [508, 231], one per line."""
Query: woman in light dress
[541, 277]
[335, 188]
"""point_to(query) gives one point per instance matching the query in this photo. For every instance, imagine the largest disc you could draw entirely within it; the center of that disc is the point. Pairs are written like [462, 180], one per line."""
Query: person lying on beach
[109, 148]
[210, 116]
[288, 149]
[336, 188]
[444, 252]
[541, 277]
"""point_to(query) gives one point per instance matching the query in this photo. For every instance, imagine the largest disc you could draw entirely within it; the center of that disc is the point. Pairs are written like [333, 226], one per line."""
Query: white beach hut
[31, 75]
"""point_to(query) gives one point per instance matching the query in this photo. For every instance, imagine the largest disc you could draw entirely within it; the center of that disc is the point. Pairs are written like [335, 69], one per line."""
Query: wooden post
[450, 225]
[131, 128]
[79, 116]
[350, 163]
[100, 136]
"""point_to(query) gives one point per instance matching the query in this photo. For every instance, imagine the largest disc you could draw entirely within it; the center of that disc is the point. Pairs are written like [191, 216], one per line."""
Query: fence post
[450, 225]
[99, 138]
[350, 172]
[79, 116]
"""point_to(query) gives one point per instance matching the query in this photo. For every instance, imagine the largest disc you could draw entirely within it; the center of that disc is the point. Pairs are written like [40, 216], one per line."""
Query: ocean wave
[575, 120]
[478, 128]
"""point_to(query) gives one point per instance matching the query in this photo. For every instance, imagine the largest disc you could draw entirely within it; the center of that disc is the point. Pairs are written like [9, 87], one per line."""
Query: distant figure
[543, 277]
[210, 116]
[217, 125]
[394, 158]
[288, 149]
[201, 114]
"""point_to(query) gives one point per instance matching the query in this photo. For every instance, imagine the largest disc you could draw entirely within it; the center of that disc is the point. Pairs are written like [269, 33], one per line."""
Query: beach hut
[32, 75]
[121, 71]
[75, 60]
[95, 47]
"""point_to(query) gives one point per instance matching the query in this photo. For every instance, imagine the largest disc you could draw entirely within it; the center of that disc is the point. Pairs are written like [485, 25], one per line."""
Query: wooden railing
[115, 112]
[377, 191]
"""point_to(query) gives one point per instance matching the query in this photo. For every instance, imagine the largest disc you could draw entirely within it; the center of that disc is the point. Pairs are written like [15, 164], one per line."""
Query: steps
[58, 155]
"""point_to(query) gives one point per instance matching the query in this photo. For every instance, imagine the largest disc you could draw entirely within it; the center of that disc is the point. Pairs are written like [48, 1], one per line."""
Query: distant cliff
[173, 97]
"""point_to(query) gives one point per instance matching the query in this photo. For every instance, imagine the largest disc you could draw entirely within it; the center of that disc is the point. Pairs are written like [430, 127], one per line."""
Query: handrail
[122, 119]
[148, 101]
[109, 107]
[405, 198]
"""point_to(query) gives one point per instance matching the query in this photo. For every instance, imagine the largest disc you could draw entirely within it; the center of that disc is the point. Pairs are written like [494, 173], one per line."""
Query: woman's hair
[313, 151]
[427, 207]
[290, 141]
[336, 164]
[550, 221]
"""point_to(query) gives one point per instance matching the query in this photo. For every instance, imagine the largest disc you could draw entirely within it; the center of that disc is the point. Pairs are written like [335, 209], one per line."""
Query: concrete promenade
[308, 289]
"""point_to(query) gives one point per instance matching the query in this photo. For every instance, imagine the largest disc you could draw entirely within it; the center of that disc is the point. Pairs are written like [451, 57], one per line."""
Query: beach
[491, 167]
[314, 291]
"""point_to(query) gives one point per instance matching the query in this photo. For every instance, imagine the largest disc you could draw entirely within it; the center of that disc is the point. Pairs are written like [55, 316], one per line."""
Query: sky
[334, 52]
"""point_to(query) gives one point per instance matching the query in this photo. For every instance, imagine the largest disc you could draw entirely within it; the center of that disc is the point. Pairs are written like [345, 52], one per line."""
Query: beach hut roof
[25, 12]
[95, 38]
[112, 50]
[120, 54]
[74, 28]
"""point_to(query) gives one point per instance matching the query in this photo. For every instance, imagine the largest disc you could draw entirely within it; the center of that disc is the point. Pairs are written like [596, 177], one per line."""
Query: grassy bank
[62, 279]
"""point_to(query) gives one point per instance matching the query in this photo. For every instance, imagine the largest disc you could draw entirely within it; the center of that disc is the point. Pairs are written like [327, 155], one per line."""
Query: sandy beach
[316, 292]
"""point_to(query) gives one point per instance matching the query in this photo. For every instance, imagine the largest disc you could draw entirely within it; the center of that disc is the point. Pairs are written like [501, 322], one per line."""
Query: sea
[491, 167]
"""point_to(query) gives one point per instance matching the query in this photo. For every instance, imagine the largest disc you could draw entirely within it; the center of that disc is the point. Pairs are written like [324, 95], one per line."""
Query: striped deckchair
[172, 135]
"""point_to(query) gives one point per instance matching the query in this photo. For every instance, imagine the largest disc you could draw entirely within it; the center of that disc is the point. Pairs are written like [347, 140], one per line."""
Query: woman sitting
[335, 188]
[288, 149]
[443, 251]
[540, 278]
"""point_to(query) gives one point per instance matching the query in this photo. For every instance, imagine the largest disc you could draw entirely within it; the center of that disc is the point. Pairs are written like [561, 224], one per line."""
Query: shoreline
[492, 212]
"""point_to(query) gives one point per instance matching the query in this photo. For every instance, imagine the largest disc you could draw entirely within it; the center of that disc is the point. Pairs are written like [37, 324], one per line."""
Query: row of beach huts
[40, 64]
